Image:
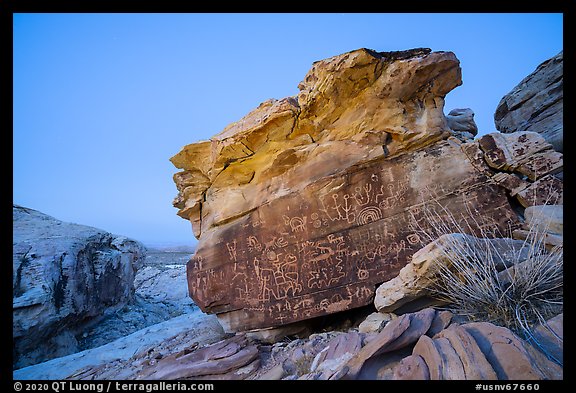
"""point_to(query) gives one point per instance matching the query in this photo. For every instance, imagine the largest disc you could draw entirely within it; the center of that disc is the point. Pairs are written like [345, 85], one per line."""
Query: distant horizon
[148, 243]
[102, 101]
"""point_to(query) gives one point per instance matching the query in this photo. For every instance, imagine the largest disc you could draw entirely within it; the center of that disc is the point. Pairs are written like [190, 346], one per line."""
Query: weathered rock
[536, 103]
[273, 335]
[452, 367]
[425, 348]
[274, 374]
[65, 277]
[397, 334]
[165, 285]
[391, 332]
[549, 338]
[375, 322]
[218, 358]
[508, 355]
[509, 151]
[330, 126]
[550, 240]
[543, 223]
[125, 357]
[418, 278]
[511, 181]
[548, 190]
[545, 218]
[323, 249]
[530, 156]
[420, 322]
[461, 120]
[161, 293]
[340, 350]
[440, 322]
[412, 368]
[474, 363]
[542, 163]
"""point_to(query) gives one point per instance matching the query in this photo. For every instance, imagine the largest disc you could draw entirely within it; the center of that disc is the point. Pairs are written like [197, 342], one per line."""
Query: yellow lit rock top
[351, 108]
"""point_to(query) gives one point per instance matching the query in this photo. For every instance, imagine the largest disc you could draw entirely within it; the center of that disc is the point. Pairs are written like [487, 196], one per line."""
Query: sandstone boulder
[543, 223]
[340, 350]
[397, 334]
[535, 166]
[308, 203]
[412, 368]
[440, 322]
[322, 249]
[511, 357]
[536, 103]
[477, 351]
[510, 151]
[351, 108]
[418, 278]
[65, 277]
[474, 363]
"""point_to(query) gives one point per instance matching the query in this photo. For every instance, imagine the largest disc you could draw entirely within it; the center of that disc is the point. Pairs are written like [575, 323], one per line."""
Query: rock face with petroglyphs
[303, 207]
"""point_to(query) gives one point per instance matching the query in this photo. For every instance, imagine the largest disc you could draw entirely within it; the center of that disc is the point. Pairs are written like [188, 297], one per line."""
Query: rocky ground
[161, 294]
[160, 315]
[428, 344]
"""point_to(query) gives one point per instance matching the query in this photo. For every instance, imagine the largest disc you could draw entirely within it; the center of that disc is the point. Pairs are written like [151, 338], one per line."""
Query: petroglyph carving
[325, 249]
[362, 197]
[196, 262]
[323, 269]
[333, 239]
[369, 214]
[232, 250]
[413, 239]
[279, 278]
[297, 224]
[343, 211]
[280, 242]
[254, 244]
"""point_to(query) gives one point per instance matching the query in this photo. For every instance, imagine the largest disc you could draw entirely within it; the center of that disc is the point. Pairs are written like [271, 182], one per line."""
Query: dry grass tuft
[528, 293]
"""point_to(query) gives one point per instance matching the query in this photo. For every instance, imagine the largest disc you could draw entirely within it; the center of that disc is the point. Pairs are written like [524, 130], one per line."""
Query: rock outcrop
[527, 165]
[65, 277]
[461, 122]
[308, 203]
[536, 103]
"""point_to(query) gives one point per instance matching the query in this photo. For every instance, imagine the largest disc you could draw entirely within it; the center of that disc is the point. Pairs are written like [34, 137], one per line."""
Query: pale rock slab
[66, 276]
[536, 103]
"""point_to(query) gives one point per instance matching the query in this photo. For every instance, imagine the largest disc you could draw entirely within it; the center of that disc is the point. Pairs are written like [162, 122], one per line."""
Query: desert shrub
[470, 283]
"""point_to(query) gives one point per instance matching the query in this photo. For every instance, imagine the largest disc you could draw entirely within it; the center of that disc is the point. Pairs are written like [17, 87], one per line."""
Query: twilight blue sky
[102, 101]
